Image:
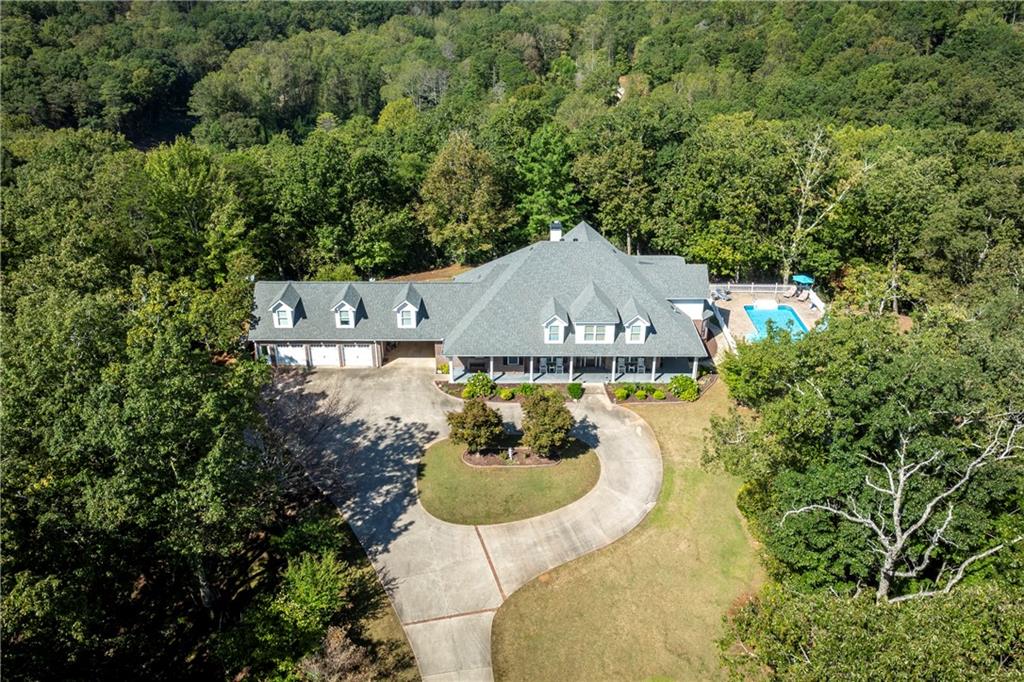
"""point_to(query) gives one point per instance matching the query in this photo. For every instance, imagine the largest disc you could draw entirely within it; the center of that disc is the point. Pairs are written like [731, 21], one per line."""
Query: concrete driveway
[360, 434]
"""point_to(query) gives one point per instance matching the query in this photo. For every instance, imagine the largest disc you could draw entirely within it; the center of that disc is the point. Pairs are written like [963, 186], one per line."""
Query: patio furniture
[790, 292]
[631, 365]
[559, 366]
[543, 365]
[640, 366]
[802, 296]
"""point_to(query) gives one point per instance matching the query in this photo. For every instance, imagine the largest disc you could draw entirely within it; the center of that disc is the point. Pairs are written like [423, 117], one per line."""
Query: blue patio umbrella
[803, 279]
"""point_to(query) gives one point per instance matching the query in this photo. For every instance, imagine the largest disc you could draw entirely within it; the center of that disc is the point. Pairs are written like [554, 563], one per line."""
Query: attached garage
[324, 355]
[358, 354]
[292, 356]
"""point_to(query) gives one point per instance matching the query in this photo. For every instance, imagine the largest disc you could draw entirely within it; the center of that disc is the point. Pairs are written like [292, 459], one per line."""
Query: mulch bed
[455, 390]
[703, 383]
[521, 457]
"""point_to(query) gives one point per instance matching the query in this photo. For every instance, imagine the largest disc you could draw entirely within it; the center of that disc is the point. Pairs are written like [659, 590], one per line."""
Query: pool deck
[741, 326]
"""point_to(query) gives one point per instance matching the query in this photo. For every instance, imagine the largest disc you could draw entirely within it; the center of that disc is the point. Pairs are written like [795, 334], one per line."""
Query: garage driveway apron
[360, 434]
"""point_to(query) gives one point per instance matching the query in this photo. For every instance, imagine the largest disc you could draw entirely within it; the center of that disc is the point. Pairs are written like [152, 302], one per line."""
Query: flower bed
[521, 457]
[518, 393]
[641, 393]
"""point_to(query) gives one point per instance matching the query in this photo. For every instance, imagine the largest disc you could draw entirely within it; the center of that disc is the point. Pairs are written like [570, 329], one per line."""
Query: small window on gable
[283, 318]
[407, 318]
[345, 318]
[636, 333]
[554, 333]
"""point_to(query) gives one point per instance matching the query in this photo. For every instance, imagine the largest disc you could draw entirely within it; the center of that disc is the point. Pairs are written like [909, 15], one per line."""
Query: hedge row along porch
[572, 308]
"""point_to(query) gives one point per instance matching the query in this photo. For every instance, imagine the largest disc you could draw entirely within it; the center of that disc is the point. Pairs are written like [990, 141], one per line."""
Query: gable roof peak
[408, 294]
[592, 305]
[552, 308]
[349, 296]
[583, 232]
[288, 296]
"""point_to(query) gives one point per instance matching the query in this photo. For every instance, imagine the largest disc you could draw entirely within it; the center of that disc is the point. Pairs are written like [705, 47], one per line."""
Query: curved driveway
[361, 433]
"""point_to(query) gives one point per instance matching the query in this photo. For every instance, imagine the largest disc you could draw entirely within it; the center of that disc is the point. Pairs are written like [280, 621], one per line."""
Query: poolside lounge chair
[802, 296]
[790, 292]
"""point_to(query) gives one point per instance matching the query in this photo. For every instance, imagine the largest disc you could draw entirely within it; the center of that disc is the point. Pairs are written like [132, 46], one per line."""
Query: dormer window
[635, 334]
[554, 330]
[594, 333]
[554, 334]
[407, 318]
[283, 318]
[286, 308]
[344, 318]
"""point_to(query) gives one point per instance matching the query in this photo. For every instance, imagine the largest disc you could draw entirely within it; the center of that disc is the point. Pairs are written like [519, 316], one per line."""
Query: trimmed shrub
[546, 422]
[506, 394]
[526, 390]
[479, 386]
[442, 368]
[575, 391]
[658, 394]
[621, 394]
[683, 387]
[477, 426]
[630, 389]
[640, 395]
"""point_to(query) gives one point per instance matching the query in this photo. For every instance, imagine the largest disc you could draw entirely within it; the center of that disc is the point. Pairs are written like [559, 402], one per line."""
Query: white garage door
[324, 356]
[291, 355]
[358, 355]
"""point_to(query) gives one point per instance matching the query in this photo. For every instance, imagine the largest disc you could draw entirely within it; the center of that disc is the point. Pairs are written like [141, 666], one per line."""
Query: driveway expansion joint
[501, 590]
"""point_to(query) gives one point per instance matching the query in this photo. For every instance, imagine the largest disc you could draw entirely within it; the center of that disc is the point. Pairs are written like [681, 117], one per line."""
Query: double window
[595, 333]
[512, 360]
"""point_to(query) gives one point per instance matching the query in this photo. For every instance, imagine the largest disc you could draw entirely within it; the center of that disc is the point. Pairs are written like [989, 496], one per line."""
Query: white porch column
[693, 368]
[531, 369]
[654, 367]
[570, 368]
[492, 366]
[255, 351]
[451, 370]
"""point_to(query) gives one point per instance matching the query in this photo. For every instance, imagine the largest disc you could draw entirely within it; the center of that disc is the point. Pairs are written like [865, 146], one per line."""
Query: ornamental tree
[546, 422]
[477, 426]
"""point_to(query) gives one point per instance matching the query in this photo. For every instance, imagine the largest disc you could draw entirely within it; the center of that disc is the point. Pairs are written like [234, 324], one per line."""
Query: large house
[573, 308]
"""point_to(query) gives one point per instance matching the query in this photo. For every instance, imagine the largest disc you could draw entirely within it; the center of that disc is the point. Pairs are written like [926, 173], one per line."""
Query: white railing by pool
[774, 288]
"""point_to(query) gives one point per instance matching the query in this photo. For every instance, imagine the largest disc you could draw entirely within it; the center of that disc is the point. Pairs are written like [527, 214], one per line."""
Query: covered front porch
[568, 369]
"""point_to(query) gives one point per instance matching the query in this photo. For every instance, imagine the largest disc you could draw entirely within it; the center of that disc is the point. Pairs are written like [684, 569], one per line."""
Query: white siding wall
[691, 307]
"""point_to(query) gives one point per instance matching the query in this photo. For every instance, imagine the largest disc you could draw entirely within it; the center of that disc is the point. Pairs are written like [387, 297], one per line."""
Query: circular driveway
[360, 434]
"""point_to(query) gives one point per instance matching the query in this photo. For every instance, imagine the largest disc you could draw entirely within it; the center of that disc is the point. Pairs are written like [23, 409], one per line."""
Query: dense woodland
[157, 156]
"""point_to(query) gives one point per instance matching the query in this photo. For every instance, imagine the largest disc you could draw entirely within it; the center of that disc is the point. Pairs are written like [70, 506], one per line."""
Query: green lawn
[455, 492]
[651, 604]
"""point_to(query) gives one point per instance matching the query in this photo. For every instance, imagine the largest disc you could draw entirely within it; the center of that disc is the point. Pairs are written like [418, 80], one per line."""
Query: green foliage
[640, 394]
[443, 368]
[546, 422]
[506, 394]
[621, 394]
[971, 634]
[526, 390]
[479, 386]
[477, 426]
[658, 394]
[575, 391]
[683, 387]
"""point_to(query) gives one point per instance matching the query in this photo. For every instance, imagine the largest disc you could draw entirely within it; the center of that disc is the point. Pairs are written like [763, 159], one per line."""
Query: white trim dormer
[344, 316]
[406, 316]
[283, 315]
[554, 330]
[636, 330]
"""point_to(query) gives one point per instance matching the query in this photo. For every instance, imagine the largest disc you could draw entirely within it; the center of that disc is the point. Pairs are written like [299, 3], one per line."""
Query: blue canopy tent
[803, 279]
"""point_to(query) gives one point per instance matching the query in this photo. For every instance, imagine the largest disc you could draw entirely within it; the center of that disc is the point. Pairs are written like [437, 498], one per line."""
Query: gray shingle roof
[349, 295]
[593, 306]
[553, 309]
[630, 311]
[499, 308]
[408, 294]
[289, 296]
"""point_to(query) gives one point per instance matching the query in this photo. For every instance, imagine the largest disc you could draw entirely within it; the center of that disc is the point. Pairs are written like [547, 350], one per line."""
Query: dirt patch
[440, 274]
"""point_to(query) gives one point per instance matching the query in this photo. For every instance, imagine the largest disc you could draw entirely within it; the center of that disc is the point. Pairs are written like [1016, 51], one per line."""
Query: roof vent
[555, 234]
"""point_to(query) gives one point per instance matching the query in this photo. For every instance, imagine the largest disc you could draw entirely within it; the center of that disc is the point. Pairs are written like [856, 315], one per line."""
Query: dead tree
[895, 530]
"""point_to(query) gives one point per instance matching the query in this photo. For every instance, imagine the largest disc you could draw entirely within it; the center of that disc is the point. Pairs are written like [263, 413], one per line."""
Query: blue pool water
[784, 317]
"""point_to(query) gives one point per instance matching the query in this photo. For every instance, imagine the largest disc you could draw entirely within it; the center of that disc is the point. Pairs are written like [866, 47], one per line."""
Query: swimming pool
[783, 317]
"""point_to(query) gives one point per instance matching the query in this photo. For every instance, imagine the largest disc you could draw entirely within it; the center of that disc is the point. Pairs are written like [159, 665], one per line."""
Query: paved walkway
[362, 432]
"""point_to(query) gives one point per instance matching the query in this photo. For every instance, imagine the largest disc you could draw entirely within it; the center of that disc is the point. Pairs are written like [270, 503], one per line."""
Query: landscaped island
[455, 491]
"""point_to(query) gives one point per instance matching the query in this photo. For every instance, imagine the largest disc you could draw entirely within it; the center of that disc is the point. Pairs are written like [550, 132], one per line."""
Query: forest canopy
[157, 157]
